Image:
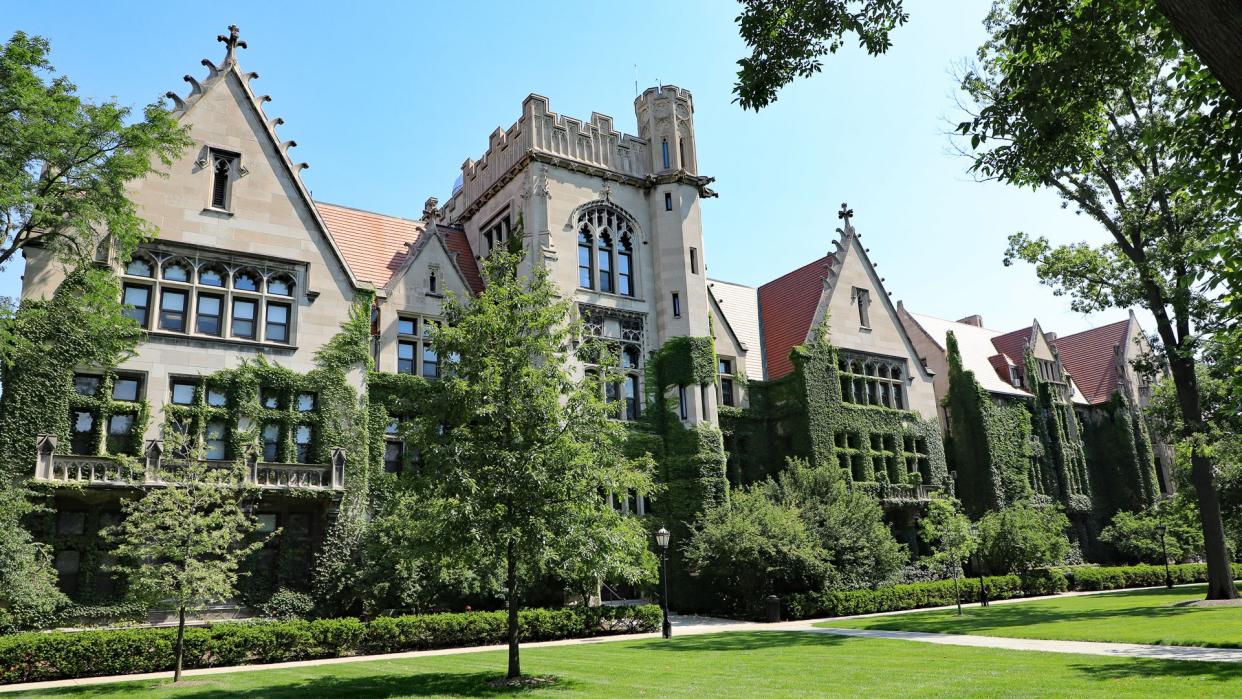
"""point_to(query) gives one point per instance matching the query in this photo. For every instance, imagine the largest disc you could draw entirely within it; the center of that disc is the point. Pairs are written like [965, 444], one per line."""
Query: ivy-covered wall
[1120, 458]
[803, 415]
[990, 444]
[691, 460]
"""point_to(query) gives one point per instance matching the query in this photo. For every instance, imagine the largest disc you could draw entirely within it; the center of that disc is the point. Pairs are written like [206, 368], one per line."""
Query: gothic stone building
[248, 291]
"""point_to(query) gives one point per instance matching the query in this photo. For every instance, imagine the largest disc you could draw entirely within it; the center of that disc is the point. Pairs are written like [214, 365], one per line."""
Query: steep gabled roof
[457, 243]
[1013, 345]
[1091, 359]
[216, 75]
[975, 345]
[374, 245]
[739, 306]
[787, 308]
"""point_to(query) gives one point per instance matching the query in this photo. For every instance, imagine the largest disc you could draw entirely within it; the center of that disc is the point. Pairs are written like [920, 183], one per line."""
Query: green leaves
[65, 164]
[788, 38]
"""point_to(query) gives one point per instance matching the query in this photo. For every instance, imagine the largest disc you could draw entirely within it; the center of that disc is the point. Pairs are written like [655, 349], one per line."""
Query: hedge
[40, 656]
[1143, 575]
[937, 593]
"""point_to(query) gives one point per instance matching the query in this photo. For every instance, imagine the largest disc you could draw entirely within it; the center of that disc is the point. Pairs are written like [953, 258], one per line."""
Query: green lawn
[762, 664]
[1140, 616]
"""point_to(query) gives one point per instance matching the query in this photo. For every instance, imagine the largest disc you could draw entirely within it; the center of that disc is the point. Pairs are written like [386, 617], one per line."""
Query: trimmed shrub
[897, 597]
[34, 657]
[1144, 575]
[286, 605]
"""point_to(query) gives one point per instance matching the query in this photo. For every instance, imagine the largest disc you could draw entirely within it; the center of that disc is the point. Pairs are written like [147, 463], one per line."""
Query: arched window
[212, 275]
[605, 263]
[606, 250]
[246, 280]
[625, 267]
[176, 271]
[586, 276]
[140, 267]
[281, 285]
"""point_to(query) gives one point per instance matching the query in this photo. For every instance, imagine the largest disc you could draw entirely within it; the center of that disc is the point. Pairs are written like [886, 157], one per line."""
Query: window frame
[182, 317]
[220, 192]
[148, 289]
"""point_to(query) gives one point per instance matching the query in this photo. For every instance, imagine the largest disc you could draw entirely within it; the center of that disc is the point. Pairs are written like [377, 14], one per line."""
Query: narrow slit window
[682, 407]
[668, 201]
[676, 305]
[664, 147]
[694, 261]
[222, 169]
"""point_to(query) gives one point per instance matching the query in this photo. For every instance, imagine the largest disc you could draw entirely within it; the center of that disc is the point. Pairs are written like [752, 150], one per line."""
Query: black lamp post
[661, 538]
[1164, 551]
[978, 557]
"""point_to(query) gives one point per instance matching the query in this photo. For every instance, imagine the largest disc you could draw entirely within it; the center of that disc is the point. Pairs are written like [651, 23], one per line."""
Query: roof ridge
[798, 269]
[367, 211]
[1097, 328]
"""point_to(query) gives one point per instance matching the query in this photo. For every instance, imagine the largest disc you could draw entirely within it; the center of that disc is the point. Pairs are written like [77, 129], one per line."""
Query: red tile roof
[1013, 345]
[1091, 361]
[455, 240]
[786, 308]
[374, 245]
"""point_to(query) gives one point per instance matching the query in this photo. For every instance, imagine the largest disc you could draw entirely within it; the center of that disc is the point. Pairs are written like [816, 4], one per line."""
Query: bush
[286, 605]
[1120, 577]
[34, 657]
[897, 597]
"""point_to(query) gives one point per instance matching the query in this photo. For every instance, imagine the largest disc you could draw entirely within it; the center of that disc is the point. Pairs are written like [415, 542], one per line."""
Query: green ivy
[802, 415]
[1120, 458]
[991, 442]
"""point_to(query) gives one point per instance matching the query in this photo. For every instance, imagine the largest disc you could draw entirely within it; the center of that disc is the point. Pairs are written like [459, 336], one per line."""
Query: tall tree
[948, 532]
[65, 162]
[518, 453]
[788, 38]
[1107, 141]
[184, 542]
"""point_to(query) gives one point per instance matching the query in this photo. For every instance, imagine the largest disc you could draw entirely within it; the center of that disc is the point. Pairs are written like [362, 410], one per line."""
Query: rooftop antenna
[635, 79]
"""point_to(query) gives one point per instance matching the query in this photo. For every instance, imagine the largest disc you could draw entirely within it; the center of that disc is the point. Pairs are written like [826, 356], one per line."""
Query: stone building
[254, 296]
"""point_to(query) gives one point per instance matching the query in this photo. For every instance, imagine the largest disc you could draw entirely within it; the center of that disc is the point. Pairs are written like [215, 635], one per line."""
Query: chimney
[1052, 337]
[975, 320]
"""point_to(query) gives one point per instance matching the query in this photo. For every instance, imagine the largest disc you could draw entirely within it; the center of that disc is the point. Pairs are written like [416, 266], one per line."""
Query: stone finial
[232, 42]
[429, 209]
[845, 214]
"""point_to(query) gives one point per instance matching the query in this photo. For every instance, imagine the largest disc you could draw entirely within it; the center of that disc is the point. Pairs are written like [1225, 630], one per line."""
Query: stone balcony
[152, 469]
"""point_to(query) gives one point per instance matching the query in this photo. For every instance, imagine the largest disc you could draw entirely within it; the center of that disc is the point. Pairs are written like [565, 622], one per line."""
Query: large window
[415, 354]
[872, 380]
[496, 232]
[606, 250]
[727, 396]
[210, 298]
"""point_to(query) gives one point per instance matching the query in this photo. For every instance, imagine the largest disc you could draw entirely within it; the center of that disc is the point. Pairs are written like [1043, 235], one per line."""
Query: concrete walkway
[1116, 650]
[696, 625]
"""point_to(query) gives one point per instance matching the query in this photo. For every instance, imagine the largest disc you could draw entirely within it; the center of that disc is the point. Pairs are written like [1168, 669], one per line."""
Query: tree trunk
[1220, 572]
[511, 585]
[1213, 29]
[180, 647]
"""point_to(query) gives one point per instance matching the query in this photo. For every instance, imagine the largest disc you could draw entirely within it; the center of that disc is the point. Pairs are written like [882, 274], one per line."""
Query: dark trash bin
[772, 609]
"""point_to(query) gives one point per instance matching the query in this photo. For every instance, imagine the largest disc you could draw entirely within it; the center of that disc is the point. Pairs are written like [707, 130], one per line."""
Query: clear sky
[387, 99]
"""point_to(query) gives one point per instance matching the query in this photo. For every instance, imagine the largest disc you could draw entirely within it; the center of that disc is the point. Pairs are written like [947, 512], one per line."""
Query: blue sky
[387, 100]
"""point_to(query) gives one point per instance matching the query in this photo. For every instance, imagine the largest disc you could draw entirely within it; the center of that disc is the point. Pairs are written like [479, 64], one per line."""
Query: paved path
[695, 625]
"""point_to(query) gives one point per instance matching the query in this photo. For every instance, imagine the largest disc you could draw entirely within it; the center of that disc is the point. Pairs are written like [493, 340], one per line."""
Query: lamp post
[661, 538]
[1168, 579]
[983, 586]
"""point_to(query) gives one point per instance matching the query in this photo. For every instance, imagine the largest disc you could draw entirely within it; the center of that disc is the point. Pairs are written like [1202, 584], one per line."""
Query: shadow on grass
[1140, 669]
[741, 641]
[394, 683]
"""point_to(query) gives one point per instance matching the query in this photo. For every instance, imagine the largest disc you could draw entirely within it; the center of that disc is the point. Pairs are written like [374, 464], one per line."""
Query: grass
[761, 664]
[1139, 616]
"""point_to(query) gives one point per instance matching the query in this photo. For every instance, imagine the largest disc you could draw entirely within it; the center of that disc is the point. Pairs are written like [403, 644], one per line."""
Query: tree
[788, 39]
[28, 594]
[948, 532]
[1101, 141]
[183, 542]
[1135, 538]
[518, 452]
[750, 547]
[65, 163]
[1022, 537]
[848, 523]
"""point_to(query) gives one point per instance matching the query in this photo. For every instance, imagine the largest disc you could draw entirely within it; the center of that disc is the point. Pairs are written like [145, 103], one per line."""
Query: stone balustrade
[154, 470]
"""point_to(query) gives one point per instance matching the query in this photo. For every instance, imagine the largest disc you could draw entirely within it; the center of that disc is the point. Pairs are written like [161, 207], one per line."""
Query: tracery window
[621, 336]
[606, 250]
[872, 380]
[189, 295]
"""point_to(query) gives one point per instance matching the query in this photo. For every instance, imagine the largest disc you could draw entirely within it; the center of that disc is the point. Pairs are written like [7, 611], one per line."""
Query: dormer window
[223, 166]
[1015, 377]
